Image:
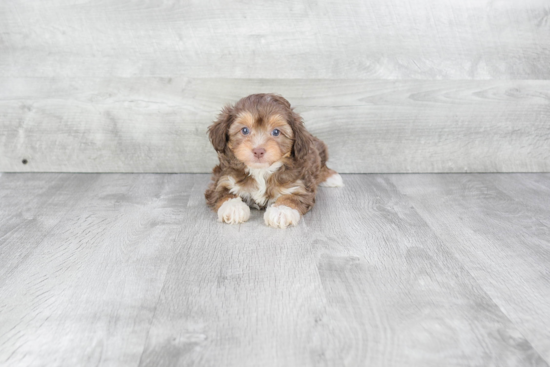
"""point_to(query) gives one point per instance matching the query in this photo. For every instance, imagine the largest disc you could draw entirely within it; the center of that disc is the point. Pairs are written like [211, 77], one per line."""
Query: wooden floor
[391, 270]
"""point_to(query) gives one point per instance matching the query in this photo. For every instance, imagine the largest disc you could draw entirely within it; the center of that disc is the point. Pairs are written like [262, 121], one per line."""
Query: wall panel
[159, 124]
[333, 39]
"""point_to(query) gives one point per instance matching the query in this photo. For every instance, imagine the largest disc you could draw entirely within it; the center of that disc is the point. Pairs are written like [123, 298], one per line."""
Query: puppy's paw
[333, 181]
[281, 216]
[233, 211]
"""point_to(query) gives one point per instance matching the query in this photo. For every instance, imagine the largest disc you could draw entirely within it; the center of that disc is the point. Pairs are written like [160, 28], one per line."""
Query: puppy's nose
[258, 152]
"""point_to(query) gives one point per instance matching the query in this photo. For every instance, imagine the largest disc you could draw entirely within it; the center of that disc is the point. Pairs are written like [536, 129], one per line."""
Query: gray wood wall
[391, 86]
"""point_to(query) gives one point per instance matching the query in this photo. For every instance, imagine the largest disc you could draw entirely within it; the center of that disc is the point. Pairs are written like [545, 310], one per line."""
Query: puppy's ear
[217, 132]
[302, 139]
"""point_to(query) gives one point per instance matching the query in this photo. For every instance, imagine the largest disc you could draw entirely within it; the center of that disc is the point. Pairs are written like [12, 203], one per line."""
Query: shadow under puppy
[267, 160]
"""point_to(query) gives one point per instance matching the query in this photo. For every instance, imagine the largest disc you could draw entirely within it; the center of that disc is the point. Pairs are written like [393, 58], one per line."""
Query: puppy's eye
[275, 132]
[245, 131]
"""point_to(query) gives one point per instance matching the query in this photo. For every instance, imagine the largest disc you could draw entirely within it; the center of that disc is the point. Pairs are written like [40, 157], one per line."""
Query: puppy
[267, 160]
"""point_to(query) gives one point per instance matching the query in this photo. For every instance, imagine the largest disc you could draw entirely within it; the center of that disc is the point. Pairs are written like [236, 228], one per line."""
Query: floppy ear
[217, 132]
[300, 148]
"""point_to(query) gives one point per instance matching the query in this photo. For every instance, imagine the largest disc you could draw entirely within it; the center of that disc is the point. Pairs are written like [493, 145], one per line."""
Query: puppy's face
[260, 139]
[260, 130]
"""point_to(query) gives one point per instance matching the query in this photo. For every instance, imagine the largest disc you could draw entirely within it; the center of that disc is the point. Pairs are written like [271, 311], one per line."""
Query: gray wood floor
[391, 270]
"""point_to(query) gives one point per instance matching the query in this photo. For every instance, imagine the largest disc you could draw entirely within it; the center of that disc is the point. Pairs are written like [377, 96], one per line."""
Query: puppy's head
[260, 130]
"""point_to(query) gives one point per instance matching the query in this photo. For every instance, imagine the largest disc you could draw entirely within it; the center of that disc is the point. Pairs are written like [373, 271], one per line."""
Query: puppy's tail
[330, 178]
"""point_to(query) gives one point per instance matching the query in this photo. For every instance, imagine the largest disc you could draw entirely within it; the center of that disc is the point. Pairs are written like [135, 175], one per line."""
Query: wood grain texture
[361, 281]
[379, 39]
[30, 209]
[159, 124]
[498, 226]
[85, 295]
[136, 271]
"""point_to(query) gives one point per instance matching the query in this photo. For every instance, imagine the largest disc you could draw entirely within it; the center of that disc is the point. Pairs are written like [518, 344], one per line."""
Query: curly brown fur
[266, 156]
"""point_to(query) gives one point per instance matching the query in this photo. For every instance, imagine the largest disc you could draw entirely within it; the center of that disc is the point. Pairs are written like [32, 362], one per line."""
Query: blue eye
[275, 132]
[245, 131]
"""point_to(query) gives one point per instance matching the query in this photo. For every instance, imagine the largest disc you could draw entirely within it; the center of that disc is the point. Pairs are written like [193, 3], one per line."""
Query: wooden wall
[391, 86]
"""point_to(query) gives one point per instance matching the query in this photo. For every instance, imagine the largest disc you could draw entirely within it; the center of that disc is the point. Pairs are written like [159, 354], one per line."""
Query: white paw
[281, 216]
[333, 181]
[233, 211]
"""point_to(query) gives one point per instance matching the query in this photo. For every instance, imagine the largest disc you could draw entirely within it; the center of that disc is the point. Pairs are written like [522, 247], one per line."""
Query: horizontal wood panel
[352, 39]
[159, 124]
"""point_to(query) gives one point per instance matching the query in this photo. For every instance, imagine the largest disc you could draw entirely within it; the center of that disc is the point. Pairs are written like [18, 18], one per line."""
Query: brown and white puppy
[267, 160]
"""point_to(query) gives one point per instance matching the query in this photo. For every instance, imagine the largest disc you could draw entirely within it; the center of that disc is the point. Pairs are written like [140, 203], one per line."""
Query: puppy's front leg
[287, 211]
[230, 207]
[233, 211]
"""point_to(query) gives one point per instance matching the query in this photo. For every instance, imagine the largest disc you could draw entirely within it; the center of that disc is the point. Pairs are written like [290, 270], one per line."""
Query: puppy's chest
[255, 189]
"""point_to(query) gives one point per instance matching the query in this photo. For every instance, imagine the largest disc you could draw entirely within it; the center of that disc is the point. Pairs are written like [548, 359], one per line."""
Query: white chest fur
[256, 196]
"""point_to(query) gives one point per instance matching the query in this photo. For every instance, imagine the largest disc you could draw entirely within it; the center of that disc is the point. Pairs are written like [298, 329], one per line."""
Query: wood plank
[532, 190]
[159, 124]
[379, 39]
[31, 205]
[87, 294]
[362, 280]
[498, 226]
[225, 287]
